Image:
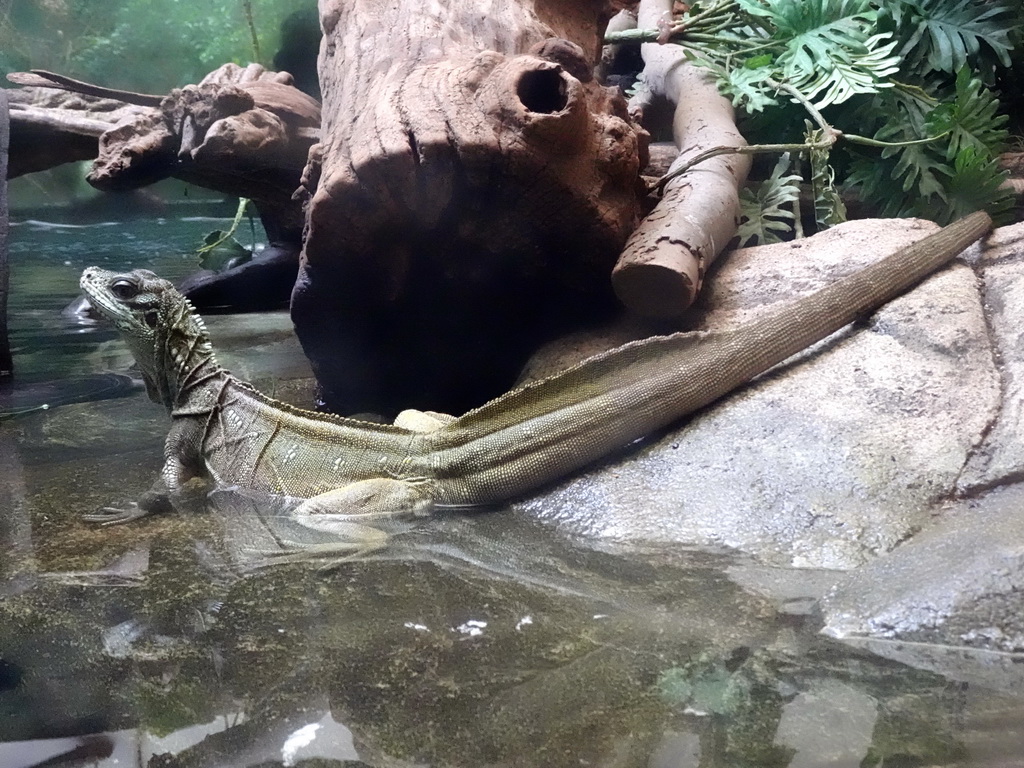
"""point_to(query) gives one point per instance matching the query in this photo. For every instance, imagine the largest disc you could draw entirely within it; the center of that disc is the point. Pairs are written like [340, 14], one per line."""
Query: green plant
[914, 76]
[764, 216]
[143, 45]
[220, 250]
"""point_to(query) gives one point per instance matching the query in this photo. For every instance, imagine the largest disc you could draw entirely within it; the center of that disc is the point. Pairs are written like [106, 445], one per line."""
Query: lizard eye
[124, 289]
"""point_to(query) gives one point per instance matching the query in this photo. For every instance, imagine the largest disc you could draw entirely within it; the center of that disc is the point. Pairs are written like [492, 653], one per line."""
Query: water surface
[473, 640]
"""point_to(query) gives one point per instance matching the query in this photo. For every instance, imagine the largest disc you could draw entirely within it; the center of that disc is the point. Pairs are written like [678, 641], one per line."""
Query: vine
[916, 76]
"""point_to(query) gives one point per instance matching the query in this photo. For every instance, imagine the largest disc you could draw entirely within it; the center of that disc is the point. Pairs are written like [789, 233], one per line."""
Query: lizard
[347, 470]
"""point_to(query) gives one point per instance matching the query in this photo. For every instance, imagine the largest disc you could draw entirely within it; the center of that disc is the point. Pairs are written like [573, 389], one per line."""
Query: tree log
[51, 127]
[471, 192]
[244, 131]
[662, 266]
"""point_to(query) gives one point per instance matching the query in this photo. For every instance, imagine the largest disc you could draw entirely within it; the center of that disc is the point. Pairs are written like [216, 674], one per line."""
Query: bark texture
[471, 192]
[51, 127]
[245, 131]
[662, 267]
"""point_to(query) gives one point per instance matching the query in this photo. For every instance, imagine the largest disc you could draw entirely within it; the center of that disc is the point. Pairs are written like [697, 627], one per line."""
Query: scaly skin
[349, 470]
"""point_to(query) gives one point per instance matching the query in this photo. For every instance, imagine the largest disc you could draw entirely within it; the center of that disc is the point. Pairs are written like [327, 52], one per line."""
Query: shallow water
[473, 640]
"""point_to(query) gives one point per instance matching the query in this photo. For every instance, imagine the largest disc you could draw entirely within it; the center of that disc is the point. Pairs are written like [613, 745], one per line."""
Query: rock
[826, 461]
[830, 724]
[1001, 455]
[958, 583]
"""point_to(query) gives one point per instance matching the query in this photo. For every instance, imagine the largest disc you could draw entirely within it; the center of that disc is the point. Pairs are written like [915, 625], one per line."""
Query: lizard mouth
[103, 301]
[116, 296]
[90, 282]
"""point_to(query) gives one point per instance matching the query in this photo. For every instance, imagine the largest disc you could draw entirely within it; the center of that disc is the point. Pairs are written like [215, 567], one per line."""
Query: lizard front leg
[182, 462]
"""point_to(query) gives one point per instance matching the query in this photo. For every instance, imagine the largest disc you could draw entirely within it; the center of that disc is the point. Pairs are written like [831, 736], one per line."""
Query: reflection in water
[471, 640]
[19, 400]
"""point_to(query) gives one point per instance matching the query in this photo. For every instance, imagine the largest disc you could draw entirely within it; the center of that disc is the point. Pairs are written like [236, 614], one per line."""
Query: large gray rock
[826, 461]
[1001, 455]
[958, 583]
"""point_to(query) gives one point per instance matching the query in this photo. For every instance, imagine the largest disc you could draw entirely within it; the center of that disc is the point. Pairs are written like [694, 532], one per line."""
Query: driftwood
[242, 131]
[40, 78]
[472, 191]
[52, 127]
[662, 266]
[620, 22]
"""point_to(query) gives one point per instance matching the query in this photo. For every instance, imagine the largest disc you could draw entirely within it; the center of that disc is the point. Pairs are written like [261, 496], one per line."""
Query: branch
[662, 265]
[59, 120]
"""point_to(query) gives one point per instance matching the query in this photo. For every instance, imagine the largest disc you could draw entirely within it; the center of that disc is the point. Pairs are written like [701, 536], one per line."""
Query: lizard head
[159, 325]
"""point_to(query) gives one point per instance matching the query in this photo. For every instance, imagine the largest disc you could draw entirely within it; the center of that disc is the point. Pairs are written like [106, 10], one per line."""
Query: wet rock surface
[957, 583]
[885, 451]
[836, 456]
[1000, 457]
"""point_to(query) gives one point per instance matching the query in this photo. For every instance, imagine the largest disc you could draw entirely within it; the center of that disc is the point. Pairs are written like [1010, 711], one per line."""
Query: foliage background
[142, 45]
[917, 88]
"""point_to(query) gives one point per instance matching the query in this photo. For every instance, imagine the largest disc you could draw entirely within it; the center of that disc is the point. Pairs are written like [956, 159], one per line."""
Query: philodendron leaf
[220, 250]
[947, 35]
[829, 48]
[976, 183]
[972, 119]
[764, 218]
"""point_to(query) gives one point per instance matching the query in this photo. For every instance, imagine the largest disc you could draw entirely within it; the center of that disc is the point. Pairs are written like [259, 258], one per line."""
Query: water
[47, 259]
[474, 640]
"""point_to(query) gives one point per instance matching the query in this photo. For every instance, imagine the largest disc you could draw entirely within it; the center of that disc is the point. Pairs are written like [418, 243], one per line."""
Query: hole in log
[542, 90]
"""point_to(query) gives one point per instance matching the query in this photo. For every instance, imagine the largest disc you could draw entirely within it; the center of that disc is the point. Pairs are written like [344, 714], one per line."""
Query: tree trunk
[471, 192]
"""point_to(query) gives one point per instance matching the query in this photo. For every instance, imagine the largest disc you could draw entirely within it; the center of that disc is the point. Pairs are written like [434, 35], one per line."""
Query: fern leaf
[764, 218]
[946, 35]
[972, 119]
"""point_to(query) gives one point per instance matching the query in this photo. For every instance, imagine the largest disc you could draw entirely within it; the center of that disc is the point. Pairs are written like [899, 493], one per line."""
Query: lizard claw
[115, 515]
[332, 555]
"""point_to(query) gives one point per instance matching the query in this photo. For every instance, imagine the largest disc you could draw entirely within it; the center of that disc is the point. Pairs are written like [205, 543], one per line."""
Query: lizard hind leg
[355, 541]
[379, 497]
[343, 514]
